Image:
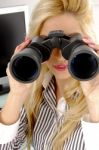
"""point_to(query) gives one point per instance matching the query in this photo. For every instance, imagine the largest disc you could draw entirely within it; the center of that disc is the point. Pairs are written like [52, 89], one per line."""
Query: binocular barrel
[83, 62]
[25, 66]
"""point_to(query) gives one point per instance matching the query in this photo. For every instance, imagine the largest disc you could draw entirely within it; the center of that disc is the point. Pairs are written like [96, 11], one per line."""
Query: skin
[69, 25]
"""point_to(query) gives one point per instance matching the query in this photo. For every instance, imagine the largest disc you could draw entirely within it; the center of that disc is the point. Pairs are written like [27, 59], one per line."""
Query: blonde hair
[74, 94]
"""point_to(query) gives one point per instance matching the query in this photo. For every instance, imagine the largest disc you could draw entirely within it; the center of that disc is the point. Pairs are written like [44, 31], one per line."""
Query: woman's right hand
[17, 89]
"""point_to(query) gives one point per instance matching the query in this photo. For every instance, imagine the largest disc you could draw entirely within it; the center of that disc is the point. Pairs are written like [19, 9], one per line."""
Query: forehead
[65, 22]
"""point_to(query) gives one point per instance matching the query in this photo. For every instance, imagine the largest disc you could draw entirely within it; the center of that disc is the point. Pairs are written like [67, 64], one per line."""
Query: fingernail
[85, 39]
[27, 38]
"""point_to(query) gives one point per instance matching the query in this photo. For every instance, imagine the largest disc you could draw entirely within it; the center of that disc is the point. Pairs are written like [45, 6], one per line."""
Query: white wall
[95, 4]
[30, 3]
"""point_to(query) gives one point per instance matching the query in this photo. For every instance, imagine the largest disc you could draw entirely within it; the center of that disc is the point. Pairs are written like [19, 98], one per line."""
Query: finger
[22, 46]
[91, 44]
[7, 69]
[87, 37]
[26, 38]
[94, 46]
[88, 41]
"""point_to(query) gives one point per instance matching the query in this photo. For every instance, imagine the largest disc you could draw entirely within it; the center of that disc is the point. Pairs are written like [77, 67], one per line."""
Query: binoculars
[83, 62]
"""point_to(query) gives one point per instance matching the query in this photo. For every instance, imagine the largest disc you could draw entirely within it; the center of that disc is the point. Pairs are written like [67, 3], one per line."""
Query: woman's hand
[19, 90]
[91, 88]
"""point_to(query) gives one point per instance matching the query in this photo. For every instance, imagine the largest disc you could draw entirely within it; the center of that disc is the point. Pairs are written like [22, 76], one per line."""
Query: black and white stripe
[46, 126]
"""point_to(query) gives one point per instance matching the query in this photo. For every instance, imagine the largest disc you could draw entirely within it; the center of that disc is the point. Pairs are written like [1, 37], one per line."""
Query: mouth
[60, 67]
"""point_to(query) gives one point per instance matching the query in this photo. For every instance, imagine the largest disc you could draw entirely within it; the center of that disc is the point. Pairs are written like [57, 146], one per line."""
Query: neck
[60, 86]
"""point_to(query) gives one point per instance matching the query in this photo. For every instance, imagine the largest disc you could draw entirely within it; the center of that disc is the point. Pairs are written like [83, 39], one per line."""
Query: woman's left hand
[91, 88]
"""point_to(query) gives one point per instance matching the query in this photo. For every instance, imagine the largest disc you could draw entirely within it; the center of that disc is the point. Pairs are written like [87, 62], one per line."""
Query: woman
[56, 111]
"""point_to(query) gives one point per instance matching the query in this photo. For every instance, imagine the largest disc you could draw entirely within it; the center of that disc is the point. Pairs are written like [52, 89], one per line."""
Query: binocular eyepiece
[83, 62]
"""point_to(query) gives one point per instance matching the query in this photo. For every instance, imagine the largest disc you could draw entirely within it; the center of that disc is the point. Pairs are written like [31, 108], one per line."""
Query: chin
[62, 76]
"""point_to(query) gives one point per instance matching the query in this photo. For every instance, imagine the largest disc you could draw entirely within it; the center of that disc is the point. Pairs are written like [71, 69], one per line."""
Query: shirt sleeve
[13, 136]
[90, 133]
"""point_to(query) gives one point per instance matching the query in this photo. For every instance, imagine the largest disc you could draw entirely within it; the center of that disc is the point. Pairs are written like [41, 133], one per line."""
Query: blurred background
[8, 3]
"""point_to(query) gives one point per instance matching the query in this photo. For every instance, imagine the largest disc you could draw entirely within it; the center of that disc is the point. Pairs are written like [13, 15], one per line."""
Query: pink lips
[60, 67]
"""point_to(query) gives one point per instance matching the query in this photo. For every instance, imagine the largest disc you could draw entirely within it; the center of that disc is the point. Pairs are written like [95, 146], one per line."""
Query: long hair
[74, 95]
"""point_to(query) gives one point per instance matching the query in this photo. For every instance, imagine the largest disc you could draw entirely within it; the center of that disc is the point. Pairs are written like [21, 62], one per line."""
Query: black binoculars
[83, 62]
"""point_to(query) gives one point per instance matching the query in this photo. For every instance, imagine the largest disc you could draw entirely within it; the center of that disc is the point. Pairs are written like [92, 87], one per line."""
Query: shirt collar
[61, 106]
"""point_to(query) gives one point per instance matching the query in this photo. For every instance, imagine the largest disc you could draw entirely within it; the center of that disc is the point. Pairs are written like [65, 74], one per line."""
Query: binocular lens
[84, 66]
[24, 68]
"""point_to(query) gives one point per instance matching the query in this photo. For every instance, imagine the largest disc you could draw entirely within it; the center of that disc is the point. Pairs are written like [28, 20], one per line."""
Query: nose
[57, 53]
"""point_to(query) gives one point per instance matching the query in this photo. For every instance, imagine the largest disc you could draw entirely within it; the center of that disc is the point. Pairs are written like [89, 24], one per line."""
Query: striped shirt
[48, 121]
[49, 117]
